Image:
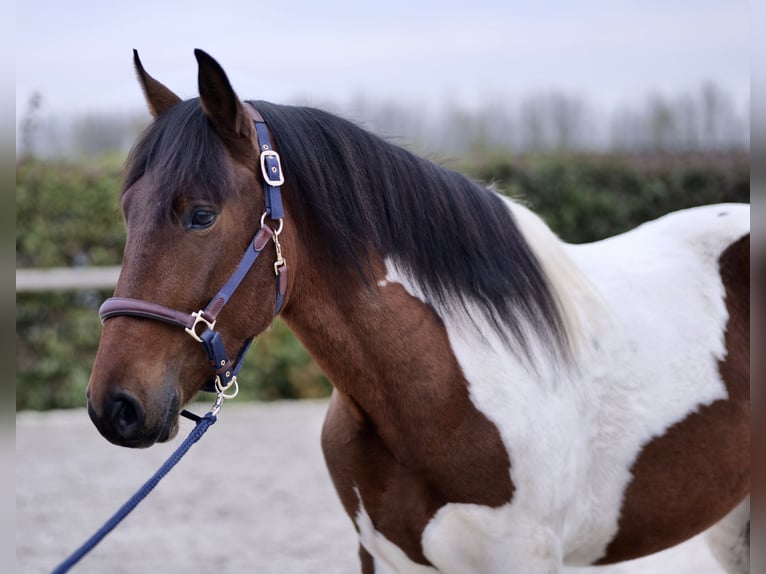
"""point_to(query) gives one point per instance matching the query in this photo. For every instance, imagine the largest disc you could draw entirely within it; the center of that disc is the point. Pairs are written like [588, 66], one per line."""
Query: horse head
[192, 199]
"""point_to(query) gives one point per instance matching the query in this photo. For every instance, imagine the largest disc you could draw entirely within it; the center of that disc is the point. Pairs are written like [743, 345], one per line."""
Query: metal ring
[280, 220]
[222, 390]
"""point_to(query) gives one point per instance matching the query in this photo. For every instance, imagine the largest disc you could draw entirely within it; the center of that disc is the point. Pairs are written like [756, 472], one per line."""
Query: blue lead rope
[203, 423]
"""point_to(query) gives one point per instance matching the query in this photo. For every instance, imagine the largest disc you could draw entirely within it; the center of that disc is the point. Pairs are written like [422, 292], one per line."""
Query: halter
[200, 325]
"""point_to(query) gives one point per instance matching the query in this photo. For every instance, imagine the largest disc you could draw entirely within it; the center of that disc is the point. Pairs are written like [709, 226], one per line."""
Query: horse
[503, 401]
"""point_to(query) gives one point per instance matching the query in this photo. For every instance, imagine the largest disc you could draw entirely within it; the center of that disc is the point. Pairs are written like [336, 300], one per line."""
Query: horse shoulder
[375, 488]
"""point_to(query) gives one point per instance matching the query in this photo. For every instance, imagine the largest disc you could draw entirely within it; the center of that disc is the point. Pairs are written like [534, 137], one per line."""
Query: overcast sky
[77, 53]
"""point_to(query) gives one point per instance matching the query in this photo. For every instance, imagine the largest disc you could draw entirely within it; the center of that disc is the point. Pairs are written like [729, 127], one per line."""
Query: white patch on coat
[389, 558]
[651, 334]
[729, 540]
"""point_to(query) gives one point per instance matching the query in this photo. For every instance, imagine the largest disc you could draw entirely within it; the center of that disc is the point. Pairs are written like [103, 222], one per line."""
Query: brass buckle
[199, 317]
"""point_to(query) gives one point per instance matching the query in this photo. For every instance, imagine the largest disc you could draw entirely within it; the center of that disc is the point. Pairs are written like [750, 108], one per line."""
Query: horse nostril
[126, 414]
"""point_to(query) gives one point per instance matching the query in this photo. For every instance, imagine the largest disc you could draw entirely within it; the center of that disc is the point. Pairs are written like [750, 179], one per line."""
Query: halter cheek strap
[200, 325]
[273, 179]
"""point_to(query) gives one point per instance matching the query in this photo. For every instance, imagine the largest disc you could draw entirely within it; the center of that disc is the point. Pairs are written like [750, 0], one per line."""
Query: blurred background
[600, 115]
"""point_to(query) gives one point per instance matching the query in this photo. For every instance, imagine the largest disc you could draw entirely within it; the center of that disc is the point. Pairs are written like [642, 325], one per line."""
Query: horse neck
[388, 349]
[377, 344]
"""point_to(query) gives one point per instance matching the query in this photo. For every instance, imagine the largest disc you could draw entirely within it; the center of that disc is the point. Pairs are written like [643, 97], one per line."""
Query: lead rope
[202, 424]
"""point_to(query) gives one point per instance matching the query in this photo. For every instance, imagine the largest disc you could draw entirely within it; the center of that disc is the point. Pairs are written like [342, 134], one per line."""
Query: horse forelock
[184, 156]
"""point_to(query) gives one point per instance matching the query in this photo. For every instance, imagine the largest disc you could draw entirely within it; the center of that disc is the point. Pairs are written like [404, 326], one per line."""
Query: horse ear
[159, 97]
[219, 101]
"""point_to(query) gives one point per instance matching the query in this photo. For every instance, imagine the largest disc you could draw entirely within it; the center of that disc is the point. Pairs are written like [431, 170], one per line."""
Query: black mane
[454, 237]
[359, 194]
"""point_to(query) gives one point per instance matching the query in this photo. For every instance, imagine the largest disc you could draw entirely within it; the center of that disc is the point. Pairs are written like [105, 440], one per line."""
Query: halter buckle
[199, 317]
[271, 168]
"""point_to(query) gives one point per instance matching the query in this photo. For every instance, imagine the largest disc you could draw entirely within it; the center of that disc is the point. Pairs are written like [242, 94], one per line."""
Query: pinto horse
[503, 401]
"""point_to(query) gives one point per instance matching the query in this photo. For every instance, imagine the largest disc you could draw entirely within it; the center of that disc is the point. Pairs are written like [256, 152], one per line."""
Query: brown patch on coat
[401, 428]
[689, 478]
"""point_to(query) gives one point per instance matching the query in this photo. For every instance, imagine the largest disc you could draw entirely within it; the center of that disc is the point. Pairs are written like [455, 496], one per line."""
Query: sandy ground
[252, 496]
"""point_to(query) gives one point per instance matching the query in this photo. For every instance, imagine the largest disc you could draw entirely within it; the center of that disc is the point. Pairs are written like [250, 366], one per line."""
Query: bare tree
[705, 119]
[30, 126]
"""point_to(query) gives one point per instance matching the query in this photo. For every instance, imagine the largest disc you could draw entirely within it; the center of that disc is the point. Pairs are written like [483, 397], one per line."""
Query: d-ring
[281, 223]
[222, 390]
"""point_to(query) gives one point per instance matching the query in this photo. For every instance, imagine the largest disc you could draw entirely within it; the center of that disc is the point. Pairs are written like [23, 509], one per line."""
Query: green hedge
[586, 198]
[57, 337]
[66, 214]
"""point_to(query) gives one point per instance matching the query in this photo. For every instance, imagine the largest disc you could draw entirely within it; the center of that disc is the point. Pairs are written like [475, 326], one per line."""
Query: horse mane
[358, 194]
[455, 238]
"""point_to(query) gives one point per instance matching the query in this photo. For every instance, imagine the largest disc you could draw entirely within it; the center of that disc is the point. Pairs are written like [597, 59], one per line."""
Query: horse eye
[202, 219]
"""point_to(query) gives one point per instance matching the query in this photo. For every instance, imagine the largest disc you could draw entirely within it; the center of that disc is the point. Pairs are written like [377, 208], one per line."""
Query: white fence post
[66, 278]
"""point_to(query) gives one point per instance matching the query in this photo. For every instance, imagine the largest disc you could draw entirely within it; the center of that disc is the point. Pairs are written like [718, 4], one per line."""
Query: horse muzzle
[122, 420]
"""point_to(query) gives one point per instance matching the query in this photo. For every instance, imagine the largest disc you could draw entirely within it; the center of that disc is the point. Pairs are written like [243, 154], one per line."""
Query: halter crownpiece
[200, 325]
